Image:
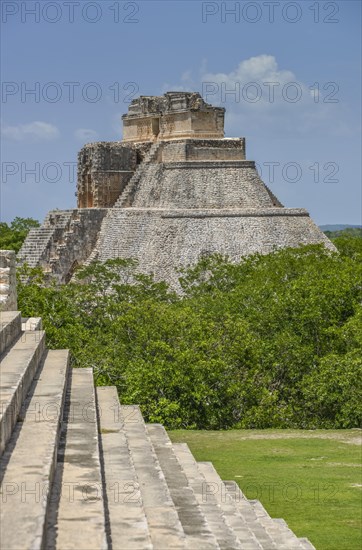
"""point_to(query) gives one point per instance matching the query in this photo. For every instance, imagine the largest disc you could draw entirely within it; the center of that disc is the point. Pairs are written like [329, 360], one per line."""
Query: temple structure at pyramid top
[175, 115]
[173, 190]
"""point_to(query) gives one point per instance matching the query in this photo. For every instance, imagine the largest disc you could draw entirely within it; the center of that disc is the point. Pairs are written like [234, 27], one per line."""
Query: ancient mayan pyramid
[174, 189]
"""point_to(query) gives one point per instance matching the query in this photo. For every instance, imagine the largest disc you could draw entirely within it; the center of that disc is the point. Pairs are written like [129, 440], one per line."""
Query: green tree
[12, 236]
[273, 341]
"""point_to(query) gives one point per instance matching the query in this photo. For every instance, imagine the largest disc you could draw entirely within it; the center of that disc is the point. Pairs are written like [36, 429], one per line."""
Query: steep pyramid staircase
[126, 198]
[80, 471]
[40, 240]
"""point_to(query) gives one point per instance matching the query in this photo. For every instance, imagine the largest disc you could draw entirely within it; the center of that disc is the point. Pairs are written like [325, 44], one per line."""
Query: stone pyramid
[173, 190]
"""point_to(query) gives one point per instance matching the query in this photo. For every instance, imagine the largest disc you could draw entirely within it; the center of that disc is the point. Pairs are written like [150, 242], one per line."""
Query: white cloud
[259, 95]
[86, 135]
[176, 88]
[186, 76]
[34, 131]
[256, 82]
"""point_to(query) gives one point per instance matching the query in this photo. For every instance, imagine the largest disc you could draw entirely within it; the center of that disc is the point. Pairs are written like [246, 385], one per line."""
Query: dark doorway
[155, 126]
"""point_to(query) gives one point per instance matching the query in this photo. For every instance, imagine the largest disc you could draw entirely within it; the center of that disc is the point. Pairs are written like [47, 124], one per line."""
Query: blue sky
[288, 74]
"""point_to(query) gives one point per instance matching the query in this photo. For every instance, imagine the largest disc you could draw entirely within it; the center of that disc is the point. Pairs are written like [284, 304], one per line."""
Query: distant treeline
[347, 232]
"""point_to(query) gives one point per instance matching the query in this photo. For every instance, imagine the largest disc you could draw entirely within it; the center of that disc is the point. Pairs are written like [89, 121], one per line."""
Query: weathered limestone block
[203, 150]
[8, 295]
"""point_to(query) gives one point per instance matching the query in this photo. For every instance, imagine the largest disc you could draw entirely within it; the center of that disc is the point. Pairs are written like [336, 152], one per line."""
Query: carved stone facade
[173, 190]
[176, 115]
[104, 169]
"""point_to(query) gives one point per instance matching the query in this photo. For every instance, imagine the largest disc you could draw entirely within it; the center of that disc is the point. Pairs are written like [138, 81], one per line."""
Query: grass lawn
[312, 479]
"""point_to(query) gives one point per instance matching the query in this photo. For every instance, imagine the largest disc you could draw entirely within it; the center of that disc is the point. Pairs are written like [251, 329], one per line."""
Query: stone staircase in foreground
[80, 471]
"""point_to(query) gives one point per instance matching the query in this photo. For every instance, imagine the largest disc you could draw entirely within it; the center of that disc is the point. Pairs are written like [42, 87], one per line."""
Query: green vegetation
[12, 236]
[310, 479]
[346, 232]
[273, 342]
[348, 241]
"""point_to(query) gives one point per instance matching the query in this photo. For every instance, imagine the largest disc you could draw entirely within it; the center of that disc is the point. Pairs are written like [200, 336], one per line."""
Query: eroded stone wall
[8, 295]
[203, 150]
[219, 184]
[104, 169]
[163, 240]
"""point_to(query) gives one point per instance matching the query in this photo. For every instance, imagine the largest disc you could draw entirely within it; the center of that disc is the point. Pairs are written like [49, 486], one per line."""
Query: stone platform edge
[217, 212]
[209, 164]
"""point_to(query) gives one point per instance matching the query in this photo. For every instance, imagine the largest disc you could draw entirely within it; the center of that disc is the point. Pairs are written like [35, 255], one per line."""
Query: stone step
[209, 505]
[130, 188]
[164, 524]
[35, 244]
[31, 254]
[17, 370]
[127, 520]
[42, 234]
[58, 220]
[247, 512]
[28, 464]
[306, 544]
[36, 241]
[278, 529]
[31, 323]
[33, 248]
[10, 328]
[256, 514]
[197, 531]
[77, 515]
[232, 515]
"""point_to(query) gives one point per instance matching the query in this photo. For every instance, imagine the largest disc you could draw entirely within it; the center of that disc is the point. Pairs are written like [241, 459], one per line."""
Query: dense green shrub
[274, 341]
